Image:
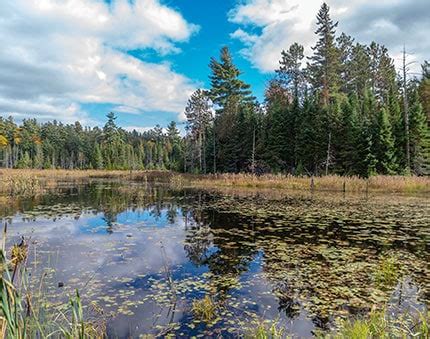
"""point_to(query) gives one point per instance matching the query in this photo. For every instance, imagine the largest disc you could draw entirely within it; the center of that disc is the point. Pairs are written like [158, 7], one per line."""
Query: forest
[344, 110]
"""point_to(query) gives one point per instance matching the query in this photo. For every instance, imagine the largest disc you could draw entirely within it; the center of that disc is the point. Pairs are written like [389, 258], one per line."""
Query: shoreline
[16, 181]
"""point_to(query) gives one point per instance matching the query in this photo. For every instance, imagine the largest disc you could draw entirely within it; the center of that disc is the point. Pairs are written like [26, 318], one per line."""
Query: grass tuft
[265, 330]
[204, 309]
[387, 273]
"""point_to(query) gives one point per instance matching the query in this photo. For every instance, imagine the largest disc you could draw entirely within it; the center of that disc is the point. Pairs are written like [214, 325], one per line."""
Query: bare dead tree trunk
[185, 156]
[253, 153]
[200, 152]
[406, 112]
[214, 148]
[328, 153]
[204, 153]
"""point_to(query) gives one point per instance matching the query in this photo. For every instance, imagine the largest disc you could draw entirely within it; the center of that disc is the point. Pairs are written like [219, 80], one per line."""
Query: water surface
[143, 253]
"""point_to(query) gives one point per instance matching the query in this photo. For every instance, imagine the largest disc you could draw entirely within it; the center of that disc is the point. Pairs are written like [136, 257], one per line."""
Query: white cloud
[280, 23]
[57, 54]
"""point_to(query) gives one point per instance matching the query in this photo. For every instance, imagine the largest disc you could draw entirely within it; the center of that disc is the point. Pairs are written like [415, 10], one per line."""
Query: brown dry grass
[324, 183]
[21, 182]
[30, 182]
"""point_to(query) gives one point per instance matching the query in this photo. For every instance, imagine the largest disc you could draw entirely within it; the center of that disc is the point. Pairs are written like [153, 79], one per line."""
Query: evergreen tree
[175, 152]
[225, 82]
[420, 136]
[290, 69]
[349, 132]
[424, 89]
[199, 115]
[366, 160]
[97, 160]
[324, 64]
[345, 47]
[358, 71]
[384, 144]
[229, 94]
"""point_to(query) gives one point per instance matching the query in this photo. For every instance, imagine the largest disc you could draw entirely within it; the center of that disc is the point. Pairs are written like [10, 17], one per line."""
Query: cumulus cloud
[57, 55]
[279, 23]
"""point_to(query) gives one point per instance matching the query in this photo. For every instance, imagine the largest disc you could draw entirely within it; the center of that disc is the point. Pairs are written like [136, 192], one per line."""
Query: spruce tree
[420, 136]
[97, 157]
[384, 144]
[365, 166]
[349, 132]
[277, 140]
[424, 89]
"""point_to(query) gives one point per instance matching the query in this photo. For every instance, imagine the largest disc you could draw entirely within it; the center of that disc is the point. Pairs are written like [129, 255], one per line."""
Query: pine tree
[229, 94]
[382, 71]
[199, 115]
[290, 69]
[345, 47]
[225, 82]
[359, 71]
[324, 65]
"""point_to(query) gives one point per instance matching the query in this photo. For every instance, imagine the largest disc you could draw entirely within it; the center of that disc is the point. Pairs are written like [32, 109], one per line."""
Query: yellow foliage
[3, 141]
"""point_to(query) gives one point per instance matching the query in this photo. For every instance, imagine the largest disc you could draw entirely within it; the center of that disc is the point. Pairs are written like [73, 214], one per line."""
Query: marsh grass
[380, 325]
[265, 330]
[387, 273]
[323, 183]
[204, 309]
[30, 182]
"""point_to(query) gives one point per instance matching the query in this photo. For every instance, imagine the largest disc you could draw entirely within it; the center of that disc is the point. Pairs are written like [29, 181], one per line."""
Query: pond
[143, 253]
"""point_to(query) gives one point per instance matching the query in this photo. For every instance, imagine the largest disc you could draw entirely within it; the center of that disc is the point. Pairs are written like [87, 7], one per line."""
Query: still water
[144, 253]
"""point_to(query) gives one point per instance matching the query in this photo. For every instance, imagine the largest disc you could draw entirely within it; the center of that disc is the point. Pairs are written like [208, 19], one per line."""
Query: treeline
[55, 145]
[345, 110]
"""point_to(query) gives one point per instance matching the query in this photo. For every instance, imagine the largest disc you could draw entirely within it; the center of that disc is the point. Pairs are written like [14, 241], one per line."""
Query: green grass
[387, 273]
[204, 309]
[265, 330]
[379, 325]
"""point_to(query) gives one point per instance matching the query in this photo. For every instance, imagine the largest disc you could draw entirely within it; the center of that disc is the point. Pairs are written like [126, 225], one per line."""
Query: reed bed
[323, 183]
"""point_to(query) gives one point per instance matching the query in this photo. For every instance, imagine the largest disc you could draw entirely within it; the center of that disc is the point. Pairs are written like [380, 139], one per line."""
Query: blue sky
[79, 59]
[193, 59]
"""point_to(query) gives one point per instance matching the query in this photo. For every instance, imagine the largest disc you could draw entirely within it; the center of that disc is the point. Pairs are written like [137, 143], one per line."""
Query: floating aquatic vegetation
[301, 258]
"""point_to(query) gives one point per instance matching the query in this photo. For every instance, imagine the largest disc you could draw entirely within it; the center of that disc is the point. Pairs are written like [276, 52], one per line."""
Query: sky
[77, 60]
